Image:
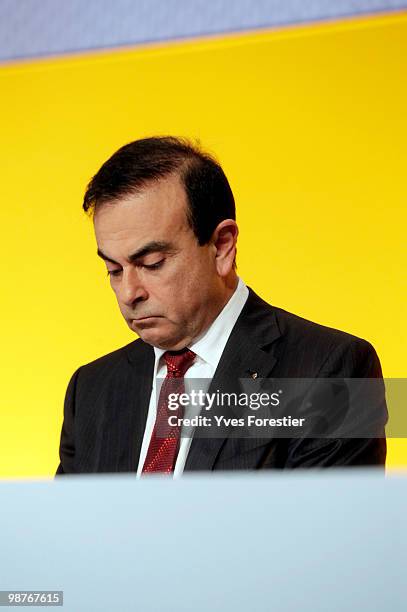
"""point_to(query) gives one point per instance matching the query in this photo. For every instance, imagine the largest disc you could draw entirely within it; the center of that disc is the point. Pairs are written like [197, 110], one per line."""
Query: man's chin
[159, 340]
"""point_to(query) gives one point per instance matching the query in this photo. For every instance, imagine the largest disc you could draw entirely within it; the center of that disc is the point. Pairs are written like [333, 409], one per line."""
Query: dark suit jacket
[107, 400]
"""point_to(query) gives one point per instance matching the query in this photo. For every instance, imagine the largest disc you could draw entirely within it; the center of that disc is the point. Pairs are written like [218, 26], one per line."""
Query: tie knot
[178, 362]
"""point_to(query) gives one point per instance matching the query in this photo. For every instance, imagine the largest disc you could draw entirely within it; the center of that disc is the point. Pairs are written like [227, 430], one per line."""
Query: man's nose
[132, 289]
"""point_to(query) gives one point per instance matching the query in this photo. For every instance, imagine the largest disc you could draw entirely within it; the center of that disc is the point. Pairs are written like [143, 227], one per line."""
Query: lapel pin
[254, 374]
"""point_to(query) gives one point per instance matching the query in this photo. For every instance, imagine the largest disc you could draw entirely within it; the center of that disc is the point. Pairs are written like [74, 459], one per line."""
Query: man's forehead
[151, 220]
[160, 201]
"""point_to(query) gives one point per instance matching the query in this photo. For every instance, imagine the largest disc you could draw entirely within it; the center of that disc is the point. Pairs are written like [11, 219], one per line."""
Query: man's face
[167, 286]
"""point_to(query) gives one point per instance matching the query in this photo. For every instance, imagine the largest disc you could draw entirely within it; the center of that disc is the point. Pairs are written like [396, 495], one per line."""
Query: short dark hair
[134, 165]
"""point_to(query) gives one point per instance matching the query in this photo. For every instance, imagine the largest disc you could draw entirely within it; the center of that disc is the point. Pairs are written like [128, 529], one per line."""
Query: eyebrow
[151, 247]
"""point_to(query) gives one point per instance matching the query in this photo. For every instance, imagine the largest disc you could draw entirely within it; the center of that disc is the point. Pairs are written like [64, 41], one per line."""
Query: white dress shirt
[208, 349]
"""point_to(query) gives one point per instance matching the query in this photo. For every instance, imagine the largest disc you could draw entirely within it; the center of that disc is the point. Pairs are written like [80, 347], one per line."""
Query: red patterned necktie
[165, 439]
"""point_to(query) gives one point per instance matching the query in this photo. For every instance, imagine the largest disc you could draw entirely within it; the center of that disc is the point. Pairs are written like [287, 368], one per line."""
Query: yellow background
[310, 126]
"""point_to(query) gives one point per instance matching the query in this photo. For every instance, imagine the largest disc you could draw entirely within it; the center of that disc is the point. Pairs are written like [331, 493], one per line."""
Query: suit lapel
[139, 385]
[248, 353]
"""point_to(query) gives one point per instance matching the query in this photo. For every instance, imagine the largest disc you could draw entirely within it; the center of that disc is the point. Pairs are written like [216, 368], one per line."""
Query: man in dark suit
[164, 220]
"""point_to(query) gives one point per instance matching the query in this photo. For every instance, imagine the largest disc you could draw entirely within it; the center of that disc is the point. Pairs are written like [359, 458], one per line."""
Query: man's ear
[224, 240]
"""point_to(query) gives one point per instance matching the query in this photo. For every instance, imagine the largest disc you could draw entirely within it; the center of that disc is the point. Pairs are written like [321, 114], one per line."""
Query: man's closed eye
[153, 266]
